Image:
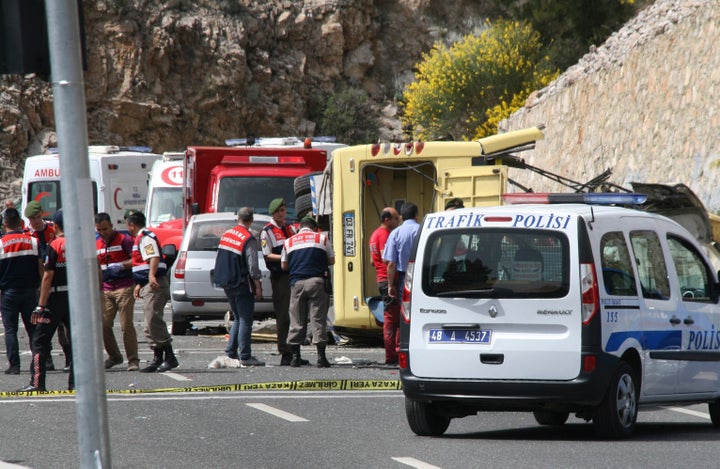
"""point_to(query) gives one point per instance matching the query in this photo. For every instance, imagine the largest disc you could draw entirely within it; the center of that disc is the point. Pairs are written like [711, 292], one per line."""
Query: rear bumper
[583, 392]
[211, 308]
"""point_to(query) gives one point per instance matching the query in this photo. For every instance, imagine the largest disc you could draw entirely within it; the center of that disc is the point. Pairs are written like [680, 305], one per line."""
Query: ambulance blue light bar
[592, 198]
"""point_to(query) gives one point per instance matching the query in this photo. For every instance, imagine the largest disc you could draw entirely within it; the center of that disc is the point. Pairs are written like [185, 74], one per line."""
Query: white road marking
[694, 413]
[176, 376]
[416, 463]
[277, 412]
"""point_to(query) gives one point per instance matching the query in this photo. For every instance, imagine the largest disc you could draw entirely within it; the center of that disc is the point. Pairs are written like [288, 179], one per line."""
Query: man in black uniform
[53, 308]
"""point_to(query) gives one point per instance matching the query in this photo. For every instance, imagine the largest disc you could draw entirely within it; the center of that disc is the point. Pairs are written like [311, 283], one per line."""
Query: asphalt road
[200, 417]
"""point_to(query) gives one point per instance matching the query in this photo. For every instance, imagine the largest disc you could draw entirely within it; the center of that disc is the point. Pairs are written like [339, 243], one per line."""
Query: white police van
[557, 309]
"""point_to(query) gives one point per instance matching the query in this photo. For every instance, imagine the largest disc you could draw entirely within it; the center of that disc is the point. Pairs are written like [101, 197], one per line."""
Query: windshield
[256, 192]
[496, 263]
[165, 205]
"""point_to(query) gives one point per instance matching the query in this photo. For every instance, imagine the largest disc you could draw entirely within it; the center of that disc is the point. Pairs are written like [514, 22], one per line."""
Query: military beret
[275, 205]
[33, 208]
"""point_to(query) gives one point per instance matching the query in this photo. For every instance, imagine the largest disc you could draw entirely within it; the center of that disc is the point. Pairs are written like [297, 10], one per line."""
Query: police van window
[650, 262]
[617, 272]
[496, 263]
[692, 273]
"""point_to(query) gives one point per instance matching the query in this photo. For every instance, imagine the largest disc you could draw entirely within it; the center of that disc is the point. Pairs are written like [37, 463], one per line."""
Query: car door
[661, 334]
[694, 283]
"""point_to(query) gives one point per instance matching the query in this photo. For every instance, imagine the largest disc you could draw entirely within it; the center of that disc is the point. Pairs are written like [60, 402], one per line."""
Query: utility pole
[78, 211]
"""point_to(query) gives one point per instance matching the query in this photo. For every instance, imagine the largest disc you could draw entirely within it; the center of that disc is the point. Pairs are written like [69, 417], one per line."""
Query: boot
[37, 375]
[170, 359]
[322, 361]
[296, 360]
[155, 363]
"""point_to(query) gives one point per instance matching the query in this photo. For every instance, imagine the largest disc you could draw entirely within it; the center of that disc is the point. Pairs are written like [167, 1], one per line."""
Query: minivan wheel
[548, 417]
[424, 420]
[714, 408]
[617, 413]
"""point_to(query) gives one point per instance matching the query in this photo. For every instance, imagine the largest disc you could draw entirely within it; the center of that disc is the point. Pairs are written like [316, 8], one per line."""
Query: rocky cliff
[174, 73]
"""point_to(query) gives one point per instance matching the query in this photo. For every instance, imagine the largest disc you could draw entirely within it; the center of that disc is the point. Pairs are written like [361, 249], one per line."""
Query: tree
[351, 117]
[464, 90]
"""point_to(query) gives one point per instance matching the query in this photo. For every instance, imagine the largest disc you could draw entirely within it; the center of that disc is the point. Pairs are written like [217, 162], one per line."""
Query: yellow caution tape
[307, 385]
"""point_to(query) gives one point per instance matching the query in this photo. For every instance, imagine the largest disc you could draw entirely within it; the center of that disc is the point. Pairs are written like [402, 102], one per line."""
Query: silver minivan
[557, 309]
[192, 293]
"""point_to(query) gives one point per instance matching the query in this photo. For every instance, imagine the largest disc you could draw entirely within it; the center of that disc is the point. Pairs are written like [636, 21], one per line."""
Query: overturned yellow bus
[361, 180]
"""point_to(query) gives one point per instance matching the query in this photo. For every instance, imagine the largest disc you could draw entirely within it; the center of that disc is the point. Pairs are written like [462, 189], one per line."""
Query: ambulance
[118, 175]
[558, 304]
[164, 207]
[359, 181]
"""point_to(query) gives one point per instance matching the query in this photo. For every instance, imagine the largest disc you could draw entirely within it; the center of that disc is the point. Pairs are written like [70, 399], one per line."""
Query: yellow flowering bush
[464, 90]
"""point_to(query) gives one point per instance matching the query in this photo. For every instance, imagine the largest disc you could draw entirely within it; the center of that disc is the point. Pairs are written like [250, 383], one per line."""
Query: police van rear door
[496, 295]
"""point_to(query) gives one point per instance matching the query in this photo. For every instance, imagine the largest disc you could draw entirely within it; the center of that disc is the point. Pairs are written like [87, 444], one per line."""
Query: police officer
[238, 274]
[307, 256]
[153, 287]
[53, 308]
[272, 239]
[44, 232]
[114, 255]
[20, 269]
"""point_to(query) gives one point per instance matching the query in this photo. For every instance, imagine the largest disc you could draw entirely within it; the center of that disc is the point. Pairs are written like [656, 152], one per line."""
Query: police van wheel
[423, 419]
[714, 408]
[617, 413]
[548, 417]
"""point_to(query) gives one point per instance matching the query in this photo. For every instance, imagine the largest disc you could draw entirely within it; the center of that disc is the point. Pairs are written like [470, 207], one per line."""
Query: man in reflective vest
[53, 308]
[307, 256]
[272, 239]
[20, 269]
[153, 288]
[114, 255]
[237, 272]
[44, 232]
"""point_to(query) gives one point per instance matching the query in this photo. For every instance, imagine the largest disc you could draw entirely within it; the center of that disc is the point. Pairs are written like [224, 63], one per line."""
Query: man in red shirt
[389, 220]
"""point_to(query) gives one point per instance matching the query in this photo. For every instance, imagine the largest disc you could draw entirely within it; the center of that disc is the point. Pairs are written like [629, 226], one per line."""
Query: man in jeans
[238, 273]
[114, 254]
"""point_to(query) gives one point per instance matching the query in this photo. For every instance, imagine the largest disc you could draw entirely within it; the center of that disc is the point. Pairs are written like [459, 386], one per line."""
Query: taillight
[407, 288]
[590, 294]
[180, 265]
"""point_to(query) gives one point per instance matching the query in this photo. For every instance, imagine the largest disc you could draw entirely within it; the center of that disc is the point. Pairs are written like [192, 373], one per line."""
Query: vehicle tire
[301, 184]
[548, 417]
[303, 204]
[714, 409]
[180, 327]
[617, 413]
[423, 419]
